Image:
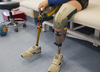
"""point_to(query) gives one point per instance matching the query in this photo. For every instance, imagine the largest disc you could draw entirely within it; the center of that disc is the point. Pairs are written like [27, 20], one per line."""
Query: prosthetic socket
[60, 31]
[60, 22]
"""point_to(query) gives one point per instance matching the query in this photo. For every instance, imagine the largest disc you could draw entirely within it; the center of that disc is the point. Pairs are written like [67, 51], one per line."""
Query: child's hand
[43, 5]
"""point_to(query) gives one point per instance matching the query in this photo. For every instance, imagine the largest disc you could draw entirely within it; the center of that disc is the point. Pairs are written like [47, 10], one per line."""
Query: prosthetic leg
[36, 49]
[60, 27]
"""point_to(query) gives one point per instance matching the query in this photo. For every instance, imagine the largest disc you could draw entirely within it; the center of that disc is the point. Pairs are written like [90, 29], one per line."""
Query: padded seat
[87, 17]
[12, 22]
[9, 5]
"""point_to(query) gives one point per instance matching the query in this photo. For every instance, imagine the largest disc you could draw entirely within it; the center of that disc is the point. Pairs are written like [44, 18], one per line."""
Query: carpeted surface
[79, 56]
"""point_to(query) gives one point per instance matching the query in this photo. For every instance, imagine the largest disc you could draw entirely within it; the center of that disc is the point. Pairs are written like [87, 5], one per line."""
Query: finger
[43, 8]
[39, 8]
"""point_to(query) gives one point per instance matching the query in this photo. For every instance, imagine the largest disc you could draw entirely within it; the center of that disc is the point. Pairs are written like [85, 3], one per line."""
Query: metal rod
[38, 34]
[59, 48]
[84, 36]
[78, 27]
[39, 27]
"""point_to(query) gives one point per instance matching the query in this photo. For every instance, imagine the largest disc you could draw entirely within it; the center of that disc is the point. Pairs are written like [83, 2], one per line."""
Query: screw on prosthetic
[59, 47]
[36, 49]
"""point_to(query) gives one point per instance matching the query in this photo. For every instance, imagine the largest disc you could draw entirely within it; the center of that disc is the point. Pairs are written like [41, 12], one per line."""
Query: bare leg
[75, 4]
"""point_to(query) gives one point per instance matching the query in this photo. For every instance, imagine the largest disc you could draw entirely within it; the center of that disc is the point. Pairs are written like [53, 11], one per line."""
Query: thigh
[84, 3]
[76, 4]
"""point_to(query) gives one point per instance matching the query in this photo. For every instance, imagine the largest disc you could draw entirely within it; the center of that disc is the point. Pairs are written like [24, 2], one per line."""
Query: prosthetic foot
[34, 50]
[56, 63]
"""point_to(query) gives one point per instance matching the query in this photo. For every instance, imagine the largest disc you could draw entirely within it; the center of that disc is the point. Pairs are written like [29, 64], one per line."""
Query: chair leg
[14, 22]
[43, 29]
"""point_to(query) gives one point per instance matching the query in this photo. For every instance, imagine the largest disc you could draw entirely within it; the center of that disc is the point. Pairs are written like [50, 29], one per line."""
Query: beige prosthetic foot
[56, 63]
[34, 50]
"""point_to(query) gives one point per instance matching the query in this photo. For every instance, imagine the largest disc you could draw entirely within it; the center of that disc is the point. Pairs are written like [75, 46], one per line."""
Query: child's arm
[50, 2]
[55, 2]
